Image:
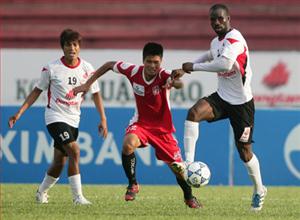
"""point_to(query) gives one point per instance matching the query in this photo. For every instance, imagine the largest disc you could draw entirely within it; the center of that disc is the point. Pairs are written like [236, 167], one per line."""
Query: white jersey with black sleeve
[59, 78]
[234, 85]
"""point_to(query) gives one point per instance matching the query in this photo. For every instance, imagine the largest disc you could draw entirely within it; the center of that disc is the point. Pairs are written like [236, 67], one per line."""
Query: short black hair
[69, 35]
[219, 6]
[152, 49]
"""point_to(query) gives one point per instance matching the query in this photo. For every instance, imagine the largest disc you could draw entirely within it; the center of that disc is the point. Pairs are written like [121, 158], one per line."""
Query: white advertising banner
[276, 79]
[275, 82]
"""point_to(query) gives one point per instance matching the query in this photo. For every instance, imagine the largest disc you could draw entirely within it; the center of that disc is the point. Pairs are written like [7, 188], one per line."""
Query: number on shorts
[64, 136]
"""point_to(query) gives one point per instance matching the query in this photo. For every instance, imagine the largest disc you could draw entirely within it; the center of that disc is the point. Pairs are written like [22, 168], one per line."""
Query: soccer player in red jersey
[229, 58]
[152, 123]
[62, 115]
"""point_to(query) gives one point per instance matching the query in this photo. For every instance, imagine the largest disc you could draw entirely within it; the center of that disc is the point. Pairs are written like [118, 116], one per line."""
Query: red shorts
[165, 145]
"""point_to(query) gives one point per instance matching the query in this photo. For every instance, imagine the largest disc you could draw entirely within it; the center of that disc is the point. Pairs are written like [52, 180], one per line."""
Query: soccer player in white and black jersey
[152, 123]
[229, 58]
[62, 115]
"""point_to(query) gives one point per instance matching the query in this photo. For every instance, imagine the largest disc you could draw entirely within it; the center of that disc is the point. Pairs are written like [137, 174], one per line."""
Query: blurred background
[128, 24]
[118, 30]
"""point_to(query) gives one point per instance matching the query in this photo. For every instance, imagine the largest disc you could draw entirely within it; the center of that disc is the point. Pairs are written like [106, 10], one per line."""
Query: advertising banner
[275, 81]
[27, 149]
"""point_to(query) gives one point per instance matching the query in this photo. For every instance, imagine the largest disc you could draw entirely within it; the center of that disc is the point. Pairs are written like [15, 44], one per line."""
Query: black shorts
[62, 134]
[241, 116]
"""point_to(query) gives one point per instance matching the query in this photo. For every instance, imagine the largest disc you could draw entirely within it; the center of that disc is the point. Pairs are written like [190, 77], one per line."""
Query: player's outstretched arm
[31, 98]
[98, 73]
[220, 64]
[203, 58]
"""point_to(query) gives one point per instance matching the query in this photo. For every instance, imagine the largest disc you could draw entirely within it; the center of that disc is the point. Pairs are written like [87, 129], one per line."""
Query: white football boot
[258, 200]
[41, 197]
[80, 200]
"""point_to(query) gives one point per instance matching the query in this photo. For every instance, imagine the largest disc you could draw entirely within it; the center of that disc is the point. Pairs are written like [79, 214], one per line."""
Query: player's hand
[82, 88]
[12, 120]
[169, 83]
[177, 73]
[187, 67]
[102, 128]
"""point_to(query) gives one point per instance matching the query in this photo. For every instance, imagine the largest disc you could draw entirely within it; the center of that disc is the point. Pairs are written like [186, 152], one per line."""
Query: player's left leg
[130, 143]
[73, 151]
[242, 121]
[190, 200]
[167, 150]
[252, 165]
[51, 177]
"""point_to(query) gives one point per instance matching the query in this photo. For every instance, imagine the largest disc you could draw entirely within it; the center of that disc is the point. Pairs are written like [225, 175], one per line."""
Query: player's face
[71, 51]
[220, 21]
[152, 65]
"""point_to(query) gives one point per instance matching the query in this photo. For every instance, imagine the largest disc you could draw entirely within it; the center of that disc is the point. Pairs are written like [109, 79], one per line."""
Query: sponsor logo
[277, 80]
[245, 135]
[70, 95]
[67, 103]
[292, 151]
[125, 66]
[280, 99]
[138, 89]
[278, 76]
[226, 74]
[131, 128]
[177, 156]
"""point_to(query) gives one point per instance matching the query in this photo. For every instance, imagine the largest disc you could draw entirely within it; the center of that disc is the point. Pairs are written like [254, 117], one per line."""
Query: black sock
[187, 190]
[129, 164]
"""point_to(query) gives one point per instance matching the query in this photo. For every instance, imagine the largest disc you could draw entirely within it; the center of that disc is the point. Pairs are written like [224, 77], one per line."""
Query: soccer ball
[197, 174]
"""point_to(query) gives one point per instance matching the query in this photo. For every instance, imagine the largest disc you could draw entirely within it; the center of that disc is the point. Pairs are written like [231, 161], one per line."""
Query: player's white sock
[47, 183]
[75, 183]
[254, 174]
[191, 133]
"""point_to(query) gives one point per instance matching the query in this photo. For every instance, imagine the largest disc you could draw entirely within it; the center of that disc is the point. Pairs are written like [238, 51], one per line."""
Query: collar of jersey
[144, 78]
[62, 59]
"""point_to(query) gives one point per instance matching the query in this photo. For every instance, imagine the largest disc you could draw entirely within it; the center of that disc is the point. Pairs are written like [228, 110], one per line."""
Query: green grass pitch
[153, 202]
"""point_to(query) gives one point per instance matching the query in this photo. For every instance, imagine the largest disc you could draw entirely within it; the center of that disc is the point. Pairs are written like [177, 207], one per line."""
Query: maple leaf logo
[278, 76]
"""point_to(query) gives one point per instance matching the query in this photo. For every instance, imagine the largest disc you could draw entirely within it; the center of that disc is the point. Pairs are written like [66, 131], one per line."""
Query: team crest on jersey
[138, 89]
[155, 90]
[85, 75]
[220, 51]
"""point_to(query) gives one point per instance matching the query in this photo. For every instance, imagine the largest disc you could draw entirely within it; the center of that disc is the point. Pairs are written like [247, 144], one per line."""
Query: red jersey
[153, 110]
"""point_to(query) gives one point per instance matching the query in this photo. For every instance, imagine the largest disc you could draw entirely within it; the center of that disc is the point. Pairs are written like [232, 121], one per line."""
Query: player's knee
[245, 152]
[72, 150]
[58, 165]
[245, 157]
[127, 148]
[130, 143]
